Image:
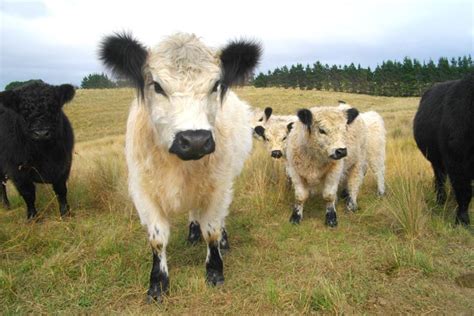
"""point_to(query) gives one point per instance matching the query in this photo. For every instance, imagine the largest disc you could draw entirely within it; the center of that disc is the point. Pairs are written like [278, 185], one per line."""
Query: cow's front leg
[60, 189]
[211, 229]
[3, 191]
[28, 192]
[159, 280]
[301, 195]
[329, 196]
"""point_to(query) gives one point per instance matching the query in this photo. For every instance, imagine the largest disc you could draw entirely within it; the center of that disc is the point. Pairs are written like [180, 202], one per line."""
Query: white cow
[187, 137]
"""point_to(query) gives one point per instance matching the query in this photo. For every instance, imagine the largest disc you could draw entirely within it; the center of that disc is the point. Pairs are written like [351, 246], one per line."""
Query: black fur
[125, 57]
[215, 266]
[260, 131]
[25, 113]
[289, 126]
[159, 281]
[331, 217]
[295, 217]
[268, 112]
[352, 113]
[194, 235]
[239, 59]
[443, 130]
[306, 117]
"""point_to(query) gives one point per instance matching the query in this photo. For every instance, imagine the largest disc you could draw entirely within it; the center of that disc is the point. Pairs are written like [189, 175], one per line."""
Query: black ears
[268, 112]
[9, 99]
[66, 93]
[125, 56]
[238, 59]
[260, 131]
[306, 117]
[351, 113]
[289, 126]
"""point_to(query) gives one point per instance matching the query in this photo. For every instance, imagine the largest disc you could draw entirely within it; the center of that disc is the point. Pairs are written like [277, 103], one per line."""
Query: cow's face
[183, 84]
[327, 129]
[39, 106]
[274, 135]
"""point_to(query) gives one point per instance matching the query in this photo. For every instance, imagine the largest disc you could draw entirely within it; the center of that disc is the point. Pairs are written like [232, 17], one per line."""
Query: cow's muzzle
[339, 153]
[41, 134]
[193, 144]
[277, 154]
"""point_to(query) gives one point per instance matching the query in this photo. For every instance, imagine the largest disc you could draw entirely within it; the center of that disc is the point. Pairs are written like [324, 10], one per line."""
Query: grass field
[397, 254]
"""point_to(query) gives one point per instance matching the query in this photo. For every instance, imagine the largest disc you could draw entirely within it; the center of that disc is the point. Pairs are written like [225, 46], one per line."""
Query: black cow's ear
[306, 117]
[238, 60]
[352, 113]
[125, 57]
[9, 99]
[260, 131]
[289, 126]
[66, 93]
[268, 112]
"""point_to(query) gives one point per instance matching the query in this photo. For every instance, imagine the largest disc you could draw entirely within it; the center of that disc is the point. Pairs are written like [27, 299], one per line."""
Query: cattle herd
[188, 136]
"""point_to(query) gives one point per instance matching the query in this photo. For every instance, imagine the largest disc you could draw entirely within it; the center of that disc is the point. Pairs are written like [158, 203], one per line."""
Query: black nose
[193, 145]
[41, 134]
[277, 154]
[339, 153]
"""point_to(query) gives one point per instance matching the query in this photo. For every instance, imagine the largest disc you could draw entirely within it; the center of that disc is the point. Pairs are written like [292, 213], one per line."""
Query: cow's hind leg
[27, 191]
[463, 192]
[60, 189]
[3, 191]
[440, 180]
[194, 235]
[158, 233]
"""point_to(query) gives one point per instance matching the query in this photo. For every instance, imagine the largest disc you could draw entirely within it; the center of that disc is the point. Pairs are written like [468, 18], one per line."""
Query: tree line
[392, 78]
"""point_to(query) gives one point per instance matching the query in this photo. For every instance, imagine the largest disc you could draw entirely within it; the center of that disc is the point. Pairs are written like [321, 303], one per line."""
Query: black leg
[297, 214]
[214, 265]
[27, 191]
[463, 192]
[331, 217]
[159, 280]
[194, 233]
[440, 180]
[61, 193]
[3, 192]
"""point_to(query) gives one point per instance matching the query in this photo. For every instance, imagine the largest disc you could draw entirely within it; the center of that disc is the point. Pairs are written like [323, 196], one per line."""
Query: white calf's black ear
[306, 117]
[238, 60]
[352, 113]
[9, 99]
[125, 56]
[66, 93]
[260, 131]
[289, 126]
[268, 112]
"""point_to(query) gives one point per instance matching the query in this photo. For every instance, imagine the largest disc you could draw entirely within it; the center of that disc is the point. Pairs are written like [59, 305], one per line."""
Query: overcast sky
[56, 40]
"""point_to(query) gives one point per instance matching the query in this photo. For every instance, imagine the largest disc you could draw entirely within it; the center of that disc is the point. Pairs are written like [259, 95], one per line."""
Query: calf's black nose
[193, 144]
[277, 154]
[339, 153]
[41, 134]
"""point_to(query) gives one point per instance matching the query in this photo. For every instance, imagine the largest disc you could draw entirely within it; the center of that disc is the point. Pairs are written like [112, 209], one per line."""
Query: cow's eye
[321, 131]
[158, 88]
[216, 86]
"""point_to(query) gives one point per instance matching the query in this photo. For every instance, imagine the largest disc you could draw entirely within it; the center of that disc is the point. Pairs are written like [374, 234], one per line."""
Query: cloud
[57, 40]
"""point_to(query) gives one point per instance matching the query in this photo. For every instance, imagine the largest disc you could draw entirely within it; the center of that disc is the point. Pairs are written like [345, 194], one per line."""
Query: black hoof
[224, 242]
[331, 219]
[64, 210]
[31, 215]
[194, 233]
[462, 219]
[158, 290]
[214, 277]
[295, 218]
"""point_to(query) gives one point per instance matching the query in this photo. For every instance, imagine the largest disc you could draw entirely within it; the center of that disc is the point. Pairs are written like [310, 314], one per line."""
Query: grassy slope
[399, 253]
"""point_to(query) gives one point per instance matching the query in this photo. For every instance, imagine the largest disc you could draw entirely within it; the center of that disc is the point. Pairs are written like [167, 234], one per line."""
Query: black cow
[36, 141]
[444, 132]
